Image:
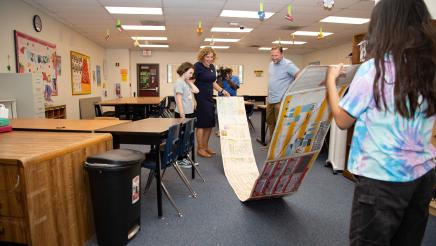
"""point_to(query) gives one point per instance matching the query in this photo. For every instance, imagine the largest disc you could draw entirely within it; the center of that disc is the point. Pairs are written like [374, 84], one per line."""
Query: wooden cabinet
[56, 112]
[44, 193]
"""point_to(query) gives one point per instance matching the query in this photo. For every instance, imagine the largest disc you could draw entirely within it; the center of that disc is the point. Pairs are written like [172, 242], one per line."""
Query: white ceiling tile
[90, 18]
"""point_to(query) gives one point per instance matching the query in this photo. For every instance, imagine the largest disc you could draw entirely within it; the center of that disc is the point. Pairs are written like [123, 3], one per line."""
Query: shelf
[56, 112]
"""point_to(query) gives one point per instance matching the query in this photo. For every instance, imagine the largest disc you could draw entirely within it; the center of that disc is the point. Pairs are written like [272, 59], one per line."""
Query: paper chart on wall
[303, 122]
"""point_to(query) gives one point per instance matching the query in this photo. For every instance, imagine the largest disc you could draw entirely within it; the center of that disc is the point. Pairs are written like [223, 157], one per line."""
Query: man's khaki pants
[272, 113]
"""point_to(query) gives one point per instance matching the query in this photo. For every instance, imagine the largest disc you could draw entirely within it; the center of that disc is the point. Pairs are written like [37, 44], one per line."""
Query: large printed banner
[303, 122]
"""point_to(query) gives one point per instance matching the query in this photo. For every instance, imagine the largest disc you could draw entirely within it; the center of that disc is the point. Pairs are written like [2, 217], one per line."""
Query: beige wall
[17, 15]
[329, 56]
[252, 85]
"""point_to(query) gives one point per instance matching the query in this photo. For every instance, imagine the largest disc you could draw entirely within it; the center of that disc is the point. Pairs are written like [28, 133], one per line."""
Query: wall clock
[37, 23]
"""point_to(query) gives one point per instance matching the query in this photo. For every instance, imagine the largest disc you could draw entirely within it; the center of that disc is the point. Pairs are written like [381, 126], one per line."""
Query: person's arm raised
[342, 118]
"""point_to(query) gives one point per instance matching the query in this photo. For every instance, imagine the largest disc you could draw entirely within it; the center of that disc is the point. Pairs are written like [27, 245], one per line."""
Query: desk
[262, 125]
[151, 131]
[44, 191]
[121, 104]
[62, 125]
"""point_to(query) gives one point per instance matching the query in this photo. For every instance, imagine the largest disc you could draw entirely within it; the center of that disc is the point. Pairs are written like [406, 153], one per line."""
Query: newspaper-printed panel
[236, 149]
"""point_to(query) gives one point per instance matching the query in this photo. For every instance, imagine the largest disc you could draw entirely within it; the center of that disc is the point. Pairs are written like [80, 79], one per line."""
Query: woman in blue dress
[205, 80]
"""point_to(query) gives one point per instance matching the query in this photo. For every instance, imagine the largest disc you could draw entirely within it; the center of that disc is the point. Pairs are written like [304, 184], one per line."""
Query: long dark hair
[403, 29]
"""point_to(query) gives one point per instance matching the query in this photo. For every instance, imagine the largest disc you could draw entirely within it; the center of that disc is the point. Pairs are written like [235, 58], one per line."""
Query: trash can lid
[117, 157]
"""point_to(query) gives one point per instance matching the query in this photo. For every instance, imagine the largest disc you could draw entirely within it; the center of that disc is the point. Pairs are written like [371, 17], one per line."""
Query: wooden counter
[62, 124]
[44, 192]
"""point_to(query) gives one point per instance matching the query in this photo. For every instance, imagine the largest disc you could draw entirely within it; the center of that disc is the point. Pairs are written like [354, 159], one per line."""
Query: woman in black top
[205, 80]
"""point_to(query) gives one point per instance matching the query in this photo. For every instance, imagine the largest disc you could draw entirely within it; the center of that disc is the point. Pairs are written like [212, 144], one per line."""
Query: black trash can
[115, 181]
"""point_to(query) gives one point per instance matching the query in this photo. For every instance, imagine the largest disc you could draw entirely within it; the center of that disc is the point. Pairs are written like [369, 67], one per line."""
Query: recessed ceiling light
[150, 38]
[134, 10]
[154, 45]
[269, 48]
[143, 28]
[244, 14]
[215, 47]
[224, 40]
[345, 20]
[289, 42]
[306, 33]
[230, 29]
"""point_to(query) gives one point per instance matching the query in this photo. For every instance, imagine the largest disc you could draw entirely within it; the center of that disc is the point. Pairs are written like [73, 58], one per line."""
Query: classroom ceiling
[180, 17]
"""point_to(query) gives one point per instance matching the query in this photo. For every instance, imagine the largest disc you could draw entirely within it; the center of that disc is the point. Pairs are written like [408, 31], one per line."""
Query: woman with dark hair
[205, 80]
[392, 100]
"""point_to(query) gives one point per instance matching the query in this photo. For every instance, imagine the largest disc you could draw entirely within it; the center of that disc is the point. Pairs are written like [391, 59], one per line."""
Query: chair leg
[149, 180]
[195, 167]
[179, 212]
[184, 179]
[251, 124]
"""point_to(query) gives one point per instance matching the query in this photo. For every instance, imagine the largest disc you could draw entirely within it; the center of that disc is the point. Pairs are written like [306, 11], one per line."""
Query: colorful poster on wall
[97, 69]
[124, 72]
[37, 56]
[80, 73]
[59, 66]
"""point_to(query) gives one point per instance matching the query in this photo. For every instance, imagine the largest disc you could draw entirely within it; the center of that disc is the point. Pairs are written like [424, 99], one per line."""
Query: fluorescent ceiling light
[289, 42]
[154, 45]
[150, 38]
[143, 28]
[269, 48]
[244, 14]
[224, 40]
[230, 29]
[345, 20]
[306, 33]
[134, 10]
[215, 47]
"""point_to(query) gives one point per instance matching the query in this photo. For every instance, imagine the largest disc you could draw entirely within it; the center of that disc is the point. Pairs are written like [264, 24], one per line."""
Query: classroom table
[123, 104]
[44, 192]
[150, 131]
[262, 125]
[62, 125]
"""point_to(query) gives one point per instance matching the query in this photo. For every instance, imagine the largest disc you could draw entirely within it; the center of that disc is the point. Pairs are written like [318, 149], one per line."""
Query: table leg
[262, 128]
[158, 184]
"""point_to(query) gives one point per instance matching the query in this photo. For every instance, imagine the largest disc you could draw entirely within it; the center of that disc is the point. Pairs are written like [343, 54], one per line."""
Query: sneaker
[184, 163]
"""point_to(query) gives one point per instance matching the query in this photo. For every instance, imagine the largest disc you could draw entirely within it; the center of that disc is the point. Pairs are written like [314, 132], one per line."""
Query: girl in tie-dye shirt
[392, 101]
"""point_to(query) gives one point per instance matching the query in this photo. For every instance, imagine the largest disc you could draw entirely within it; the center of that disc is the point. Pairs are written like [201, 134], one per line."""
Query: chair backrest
[187, 139]
[87, 107]
[169, 153]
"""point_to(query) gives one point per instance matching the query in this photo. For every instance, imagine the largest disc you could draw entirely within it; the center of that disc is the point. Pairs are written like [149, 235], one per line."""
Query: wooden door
[148, 80]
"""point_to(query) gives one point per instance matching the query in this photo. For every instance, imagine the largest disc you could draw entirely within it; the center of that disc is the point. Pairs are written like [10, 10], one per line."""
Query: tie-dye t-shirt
[385, 145]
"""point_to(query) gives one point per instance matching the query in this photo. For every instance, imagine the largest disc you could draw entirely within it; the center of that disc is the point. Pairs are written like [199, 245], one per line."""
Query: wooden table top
[27, 147]
[132, 101]
[63, 124]
[149, 126]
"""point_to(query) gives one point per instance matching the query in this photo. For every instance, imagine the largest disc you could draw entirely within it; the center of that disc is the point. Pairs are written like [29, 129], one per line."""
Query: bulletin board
[80, 73]
[37, 56]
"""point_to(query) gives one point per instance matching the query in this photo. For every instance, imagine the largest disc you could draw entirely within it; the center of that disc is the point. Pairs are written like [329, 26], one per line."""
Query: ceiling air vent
[152, 23]
[254, 46]
[290, 28]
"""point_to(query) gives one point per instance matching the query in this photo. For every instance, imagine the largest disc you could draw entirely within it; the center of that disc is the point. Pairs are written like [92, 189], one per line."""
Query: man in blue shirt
[229, 82]
[282, 72]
